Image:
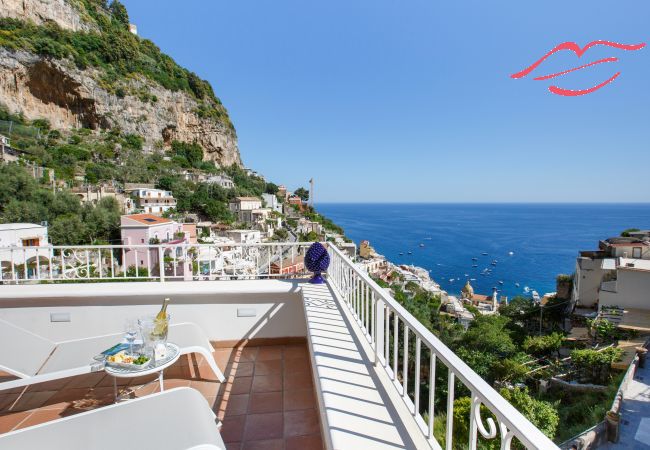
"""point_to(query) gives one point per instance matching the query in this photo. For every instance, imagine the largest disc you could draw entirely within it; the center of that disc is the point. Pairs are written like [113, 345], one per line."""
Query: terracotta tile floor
[267, 401]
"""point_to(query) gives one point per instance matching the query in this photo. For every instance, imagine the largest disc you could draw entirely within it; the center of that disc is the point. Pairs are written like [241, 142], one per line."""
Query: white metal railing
[380, 317]
[159, 262]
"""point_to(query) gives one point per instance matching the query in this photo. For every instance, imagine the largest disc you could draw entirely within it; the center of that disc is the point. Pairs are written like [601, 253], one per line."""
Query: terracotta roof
[148, 219]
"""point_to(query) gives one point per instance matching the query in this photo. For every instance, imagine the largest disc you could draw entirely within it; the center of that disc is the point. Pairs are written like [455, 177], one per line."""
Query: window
[142, 240]
[636, 252]
[30, 242]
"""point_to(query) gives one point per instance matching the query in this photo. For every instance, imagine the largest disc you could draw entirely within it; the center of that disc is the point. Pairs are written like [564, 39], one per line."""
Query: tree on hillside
[271, 188]
[193, 153]
[302, 193]
[542, 414]
[491, 335]
[544, 345]
[119, 13]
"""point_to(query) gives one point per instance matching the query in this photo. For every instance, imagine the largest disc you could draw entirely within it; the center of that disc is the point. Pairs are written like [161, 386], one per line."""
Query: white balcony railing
[160, 262]
[387, 326]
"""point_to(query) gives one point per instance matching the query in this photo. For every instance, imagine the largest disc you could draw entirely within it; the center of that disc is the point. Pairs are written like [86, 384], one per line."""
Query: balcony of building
[340, 365]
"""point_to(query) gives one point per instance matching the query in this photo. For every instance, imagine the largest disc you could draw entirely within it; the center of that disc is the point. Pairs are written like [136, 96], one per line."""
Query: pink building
[145, 229]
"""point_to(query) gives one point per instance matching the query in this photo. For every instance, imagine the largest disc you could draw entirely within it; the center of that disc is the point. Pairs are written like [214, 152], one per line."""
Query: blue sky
[412, 100]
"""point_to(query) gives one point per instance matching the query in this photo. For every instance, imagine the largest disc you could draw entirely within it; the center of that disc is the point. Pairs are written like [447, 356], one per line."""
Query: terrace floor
[267, 402]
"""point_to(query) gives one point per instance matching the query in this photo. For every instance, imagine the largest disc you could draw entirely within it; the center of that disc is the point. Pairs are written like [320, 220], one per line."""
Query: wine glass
[130, 333]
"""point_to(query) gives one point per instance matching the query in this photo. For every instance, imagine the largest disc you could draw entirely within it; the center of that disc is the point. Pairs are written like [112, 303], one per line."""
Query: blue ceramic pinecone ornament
[317, 260]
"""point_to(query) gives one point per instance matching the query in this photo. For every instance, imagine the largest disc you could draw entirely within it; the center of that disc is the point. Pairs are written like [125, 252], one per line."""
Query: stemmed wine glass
[130, 333]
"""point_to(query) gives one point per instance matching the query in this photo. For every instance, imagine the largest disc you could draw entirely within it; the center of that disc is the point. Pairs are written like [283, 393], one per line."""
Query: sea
[530, 243]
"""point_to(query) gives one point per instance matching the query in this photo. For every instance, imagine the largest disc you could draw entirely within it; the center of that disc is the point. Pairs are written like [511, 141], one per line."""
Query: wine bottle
[160, 322]
[162, 315]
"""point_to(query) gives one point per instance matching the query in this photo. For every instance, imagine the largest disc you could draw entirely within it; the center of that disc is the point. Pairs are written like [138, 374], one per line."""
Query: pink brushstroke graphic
[575, 48]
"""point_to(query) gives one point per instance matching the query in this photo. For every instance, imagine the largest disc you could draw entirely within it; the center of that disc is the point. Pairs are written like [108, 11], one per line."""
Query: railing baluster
[472, 423]
[416, 399]
[405, 362]
[432, 392]
[38, 264]
[373, 325]
[450, 411]
[395, 344]
[387, 337]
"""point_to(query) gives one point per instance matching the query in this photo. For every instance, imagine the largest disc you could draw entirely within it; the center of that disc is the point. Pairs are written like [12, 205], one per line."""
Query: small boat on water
[526, 289]
[474, 259]
[410, 253]
[466, 274]
[474, 265]
[494, 263]
[484, 253]
[401, 253]
[451, 280]
[472, 279]
[511, 253]
[517, 284]
[500, 282]
[421, 245]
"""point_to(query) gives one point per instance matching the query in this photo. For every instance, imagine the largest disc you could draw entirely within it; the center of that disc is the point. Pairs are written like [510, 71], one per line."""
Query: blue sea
[544, 238]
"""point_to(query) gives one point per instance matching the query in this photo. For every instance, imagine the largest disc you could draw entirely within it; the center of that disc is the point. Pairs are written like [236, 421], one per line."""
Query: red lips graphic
[575, 48]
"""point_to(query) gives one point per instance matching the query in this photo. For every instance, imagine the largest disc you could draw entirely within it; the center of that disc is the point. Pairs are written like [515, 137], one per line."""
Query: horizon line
[357, 202]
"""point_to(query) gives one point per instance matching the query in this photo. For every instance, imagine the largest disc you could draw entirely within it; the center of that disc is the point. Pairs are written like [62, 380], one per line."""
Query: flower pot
[612, 423]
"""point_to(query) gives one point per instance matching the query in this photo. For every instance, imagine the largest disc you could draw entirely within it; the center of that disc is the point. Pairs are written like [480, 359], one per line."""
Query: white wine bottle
[162, 315]
[160, 322]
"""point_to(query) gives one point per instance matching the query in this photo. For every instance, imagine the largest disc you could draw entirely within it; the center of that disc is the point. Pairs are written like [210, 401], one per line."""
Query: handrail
[511, 421]
[152, 262]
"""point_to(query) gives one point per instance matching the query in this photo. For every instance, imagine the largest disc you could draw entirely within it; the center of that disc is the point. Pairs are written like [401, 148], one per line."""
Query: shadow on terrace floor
[267, 401]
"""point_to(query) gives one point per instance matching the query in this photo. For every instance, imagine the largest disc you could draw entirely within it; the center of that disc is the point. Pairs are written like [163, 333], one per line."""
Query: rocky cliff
[65, 14]
[73, 95]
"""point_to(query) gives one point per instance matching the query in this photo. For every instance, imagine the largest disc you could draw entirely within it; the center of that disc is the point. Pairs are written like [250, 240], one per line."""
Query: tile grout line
[21, 422]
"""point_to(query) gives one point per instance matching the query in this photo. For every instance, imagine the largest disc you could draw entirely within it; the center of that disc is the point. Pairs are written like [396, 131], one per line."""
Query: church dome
[468, 290]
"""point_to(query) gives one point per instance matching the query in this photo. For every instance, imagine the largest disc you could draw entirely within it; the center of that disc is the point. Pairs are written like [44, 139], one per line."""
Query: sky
[412, 100]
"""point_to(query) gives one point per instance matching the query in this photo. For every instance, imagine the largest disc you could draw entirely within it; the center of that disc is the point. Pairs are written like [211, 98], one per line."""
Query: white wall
[632, 290]
[102, 308]
[589, 275]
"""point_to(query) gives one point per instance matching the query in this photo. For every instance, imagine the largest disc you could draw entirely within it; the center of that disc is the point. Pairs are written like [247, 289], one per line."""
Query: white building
[307, 226]
[153, 201]
[221, 180]
[22, 235]
[630, 287]
[271, 201]
[243, 208]
[594, 267]
[245, 236]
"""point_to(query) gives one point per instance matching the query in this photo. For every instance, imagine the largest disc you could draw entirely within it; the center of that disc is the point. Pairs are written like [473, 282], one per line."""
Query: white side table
[173, 353]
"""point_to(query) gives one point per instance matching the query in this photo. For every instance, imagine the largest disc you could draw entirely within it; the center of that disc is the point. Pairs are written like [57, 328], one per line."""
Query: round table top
[173, 353]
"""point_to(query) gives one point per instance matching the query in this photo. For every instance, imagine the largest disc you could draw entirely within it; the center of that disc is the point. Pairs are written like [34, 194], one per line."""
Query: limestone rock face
[69, 97]
[41, 11]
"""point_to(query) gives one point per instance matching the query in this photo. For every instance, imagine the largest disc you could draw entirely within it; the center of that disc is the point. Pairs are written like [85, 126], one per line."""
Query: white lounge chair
[35, 359]
[177, 419]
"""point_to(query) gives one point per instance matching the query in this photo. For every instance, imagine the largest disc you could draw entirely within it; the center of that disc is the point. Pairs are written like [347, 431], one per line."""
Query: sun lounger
[35, 359]
[176, 419]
